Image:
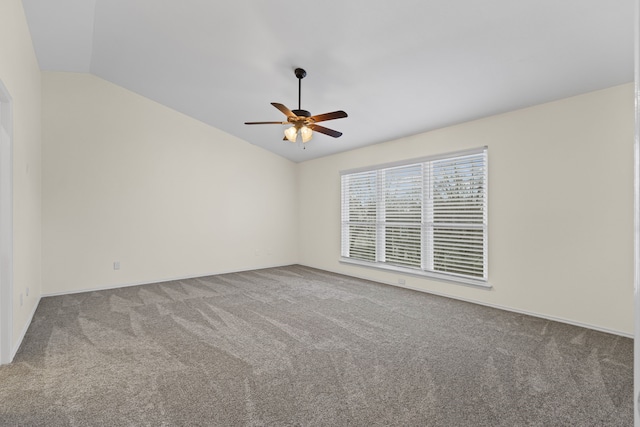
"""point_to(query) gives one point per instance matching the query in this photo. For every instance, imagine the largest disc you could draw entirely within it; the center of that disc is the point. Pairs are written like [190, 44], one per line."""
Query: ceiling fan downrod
[300, 74]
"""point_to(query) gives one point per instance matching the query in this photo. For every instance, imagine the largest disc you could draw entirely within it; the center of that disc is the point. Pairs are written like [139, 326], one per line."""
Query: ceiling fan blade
[284, 109]
[328, 116]
[265, 123]
[326, 131]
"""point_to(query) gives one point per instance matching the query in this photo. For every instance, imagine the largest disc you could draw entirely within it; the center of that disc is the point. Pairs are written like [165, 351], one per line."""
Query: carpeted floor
[299, 346]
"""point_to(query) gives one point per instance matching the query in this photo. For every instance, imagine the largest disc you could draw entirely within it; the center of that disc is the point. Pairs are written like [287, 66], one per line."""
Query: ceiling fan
[302, 120]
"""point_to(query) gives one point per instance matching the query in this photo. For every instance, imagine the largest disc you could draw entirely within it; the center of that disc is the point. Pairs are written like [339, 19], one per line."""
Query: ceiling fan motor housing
[301, 113]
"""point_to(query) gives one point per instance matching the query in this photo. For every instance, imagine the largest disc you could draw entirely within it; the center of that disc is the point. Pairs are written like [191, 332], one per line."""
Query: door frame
[6, 224]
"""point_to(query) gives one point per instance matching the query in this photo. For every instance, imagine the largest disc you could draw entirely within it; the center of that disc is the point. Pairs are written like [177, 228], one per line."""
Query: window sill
[419, 273]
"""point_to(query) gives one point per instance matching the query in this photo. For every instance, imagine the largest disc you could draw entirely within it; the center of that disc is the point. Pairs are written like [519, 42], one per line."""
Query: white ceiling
[397, 68]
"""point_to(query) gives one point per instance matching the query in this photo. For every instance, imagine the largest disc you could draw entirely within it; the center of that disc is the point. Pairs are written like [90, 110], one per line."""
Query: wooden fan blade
[328, 116]
[265, 123]
[326, 131]
[284, 109]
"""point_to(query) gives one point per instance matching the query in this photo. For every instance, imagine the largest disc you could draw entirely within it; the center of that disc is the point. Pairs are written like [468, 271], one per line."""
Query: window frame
[427, 243]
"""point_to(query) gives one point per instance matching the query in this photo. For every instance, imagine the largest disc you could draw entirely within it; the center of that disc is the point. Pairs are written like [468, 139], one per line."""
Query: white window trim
[446, 277]
[450, 277]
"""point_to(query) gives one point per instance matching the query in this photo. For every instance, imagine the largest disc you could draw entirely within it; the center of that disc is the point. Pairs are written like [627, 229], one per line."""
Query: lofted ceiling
[397, 68]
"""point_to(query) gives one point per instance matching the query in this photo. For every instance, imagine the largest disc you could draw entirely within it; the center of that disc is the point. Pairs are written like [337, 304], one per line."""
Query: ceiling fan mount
[300, 73]
[302, 120]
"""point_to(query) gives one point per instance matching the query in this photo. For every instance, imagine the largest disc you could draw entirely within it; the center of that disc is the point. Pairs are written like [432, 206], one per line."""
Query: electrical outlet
[400, 281]
[116, 265]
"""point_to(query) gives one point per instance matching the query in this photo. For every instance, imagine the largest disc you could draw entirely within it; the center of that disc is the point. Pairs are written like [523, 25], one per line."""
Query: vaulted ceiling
[397, 68]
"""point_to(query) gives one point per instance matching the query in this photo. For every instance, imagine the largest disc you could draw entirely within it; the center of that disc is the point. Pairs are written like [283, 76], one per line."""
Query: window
[426, 216]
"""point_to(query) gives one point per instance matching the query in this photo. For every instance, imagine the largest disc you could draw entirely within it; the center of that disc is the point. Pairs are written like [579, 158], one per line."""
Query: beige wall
[20, 74]
[560, 208]
[127, 179]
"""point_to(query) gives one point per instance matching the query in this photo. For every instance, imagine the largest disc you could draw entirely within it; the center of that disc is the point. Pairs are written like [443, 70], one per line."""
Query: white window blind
[428, 215]
[359, 211]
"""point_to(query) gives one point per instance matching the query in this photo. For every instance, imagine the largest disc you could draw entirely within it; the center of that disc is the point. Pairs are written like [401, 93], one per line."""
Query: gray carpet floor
[299, 346]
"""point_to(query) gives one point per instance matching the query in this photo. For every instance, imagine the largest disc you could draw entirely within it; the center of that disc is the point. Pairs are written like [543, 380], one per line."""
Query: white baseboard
[16, 347]
[170, 279]
[500, 307]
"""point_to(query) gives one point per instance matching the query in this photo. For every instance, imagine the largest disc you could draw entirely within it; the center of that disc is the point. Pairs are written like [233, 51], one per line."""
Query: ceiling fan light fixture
[291, 133]
[306, 134]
